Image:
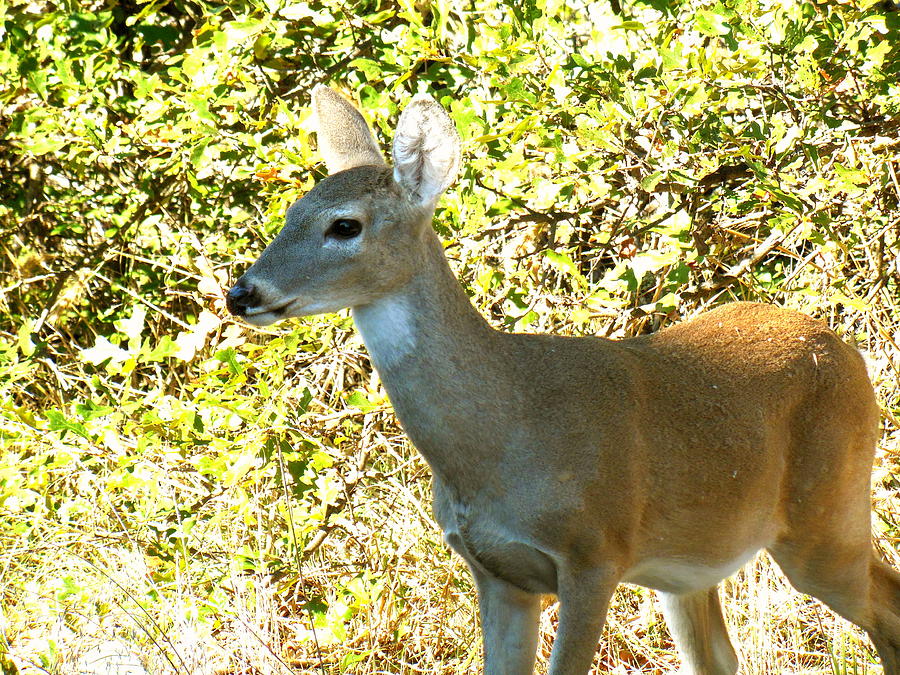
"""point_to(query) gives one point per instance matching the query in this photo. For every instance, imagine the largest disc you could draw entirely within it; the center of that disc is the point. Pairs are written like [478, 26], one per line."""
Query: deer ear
[345, 140]
[426, 150]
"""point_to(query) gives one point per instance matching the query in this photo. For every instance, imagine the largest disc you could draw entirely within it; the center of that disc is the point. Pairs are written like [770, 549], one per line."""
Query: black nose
[241, 296]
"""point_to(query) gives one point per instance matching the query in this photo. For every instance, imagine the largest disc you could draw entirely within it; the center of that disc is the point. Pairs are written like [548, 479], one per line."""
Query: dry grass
[392, 598]
[416, 613]
[357, 580]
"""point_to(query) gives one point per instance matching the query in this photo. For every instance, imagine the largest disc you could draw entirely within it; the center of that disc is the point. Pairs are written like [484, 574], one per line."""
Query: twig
[97, 252]
[341, 501]
[156, 308]
[740, 269]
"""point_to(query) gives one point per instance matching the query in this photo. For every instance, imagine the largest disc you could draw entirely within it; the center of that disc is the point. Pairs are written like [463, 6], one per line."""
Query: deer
[568, 465]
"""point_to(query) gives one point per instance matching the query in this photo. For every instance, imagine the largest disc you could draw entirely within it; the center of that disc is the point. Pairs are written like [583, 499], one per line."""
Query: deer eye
[344, 228]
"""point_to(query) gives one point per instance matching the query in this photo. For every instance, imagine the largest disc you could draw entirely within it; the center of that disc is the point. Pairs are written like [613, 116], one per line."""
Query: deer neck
[433, 352]
[426, 321]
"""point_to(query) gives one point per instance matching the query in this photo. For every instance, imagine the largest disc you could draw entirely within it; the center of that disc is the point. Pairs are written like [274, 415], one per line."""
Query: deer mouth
[263, 316]
[277, 309]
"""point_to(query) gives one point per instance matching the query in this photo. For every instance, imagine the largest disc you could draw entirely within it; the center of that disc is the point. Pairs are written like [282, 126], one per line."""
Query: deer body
[569, 465]
[723, 393]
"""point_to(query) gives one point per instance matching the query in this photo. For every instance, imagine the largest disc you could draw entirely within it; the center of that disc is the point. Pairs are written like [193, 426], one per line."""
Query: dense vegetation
[225, 499]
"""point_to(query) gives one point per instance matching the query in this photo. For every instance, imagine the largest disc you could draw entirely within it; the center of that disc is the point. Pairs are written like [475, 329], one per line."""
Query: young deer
[569, 465]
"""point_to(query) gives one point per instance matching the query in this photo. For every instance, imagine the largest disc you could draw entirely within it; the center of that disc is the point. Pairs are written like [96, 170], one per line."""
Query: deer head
[355, 237]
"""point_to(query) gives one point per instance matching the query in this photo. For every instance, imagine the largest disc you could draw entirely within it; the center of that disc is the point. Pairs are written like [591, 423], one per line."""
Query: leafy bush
[224, 497]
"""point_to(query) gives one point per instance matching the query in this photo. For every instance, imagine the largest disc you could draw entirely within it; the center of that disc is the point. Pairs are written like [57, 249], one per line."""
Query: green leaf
[229, 357]
[198, 153]
[133, 326]
[58, 422]
[102, 351]
[200, 107]
[241, 30]
[359, 400]
[649, 183]
[711, 23]
[37, 82]
[238, 469]
[43, 145]
[25, 343]
[370, 68]
[165, 347]
[565, 264]
[90, 410]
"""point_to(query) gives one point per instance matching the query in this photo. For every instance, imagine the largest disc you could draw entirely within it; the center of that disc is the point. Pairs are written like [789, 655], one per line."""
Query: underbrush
[220, 499]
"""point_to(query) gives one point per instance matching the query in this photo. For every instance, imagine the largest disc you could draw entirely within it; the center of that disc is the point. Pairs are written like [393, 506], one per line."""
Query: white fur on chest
[387, 328]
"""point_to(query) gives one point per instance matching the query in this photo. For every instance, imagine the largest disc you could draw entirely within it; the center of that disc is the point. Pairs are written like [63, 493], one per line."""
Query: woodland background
[223, 499]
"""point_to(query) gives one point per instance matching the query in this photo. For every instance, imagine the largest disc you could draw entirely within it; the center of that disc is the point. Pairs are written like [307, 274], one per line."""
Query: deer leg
[826, 550]
[583, 600]
[698, 628]
[510, 622]
[884, 599]
[863, 590]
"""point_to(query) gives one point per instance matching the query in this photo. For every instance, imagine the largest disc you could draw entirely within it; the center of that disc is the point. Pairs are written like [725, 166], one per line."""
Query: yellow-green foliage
[216, 498]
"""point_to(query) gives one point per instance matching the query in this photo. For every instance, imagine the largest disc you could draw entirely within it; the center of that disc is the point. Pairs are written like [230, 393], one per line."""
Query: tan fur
[568, 465]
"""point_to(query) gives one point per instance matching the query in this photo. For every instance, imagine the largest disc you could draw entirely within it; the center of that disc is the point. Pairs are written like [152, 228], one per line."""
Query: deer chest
[493, 541]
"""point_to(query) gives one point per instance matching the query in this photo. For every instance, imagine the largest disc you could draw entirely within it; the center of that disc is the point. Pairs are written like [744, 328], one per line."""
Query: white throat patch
[387, 328]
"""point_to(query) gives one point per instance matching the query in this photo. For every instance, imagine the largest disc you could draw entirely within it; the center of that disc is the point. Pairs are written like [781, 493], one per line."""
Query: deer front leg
[510, 619]
[583, 600]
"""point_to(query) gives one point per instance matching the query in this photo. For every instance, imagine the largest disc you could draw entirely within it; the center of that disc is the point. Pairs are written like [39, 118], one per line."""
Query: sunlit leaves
[619, 171]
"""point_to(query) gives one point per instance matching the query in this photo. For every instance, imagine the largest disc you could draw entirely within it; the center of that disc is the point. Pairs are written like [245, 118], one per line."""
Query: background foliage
[224, 499]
